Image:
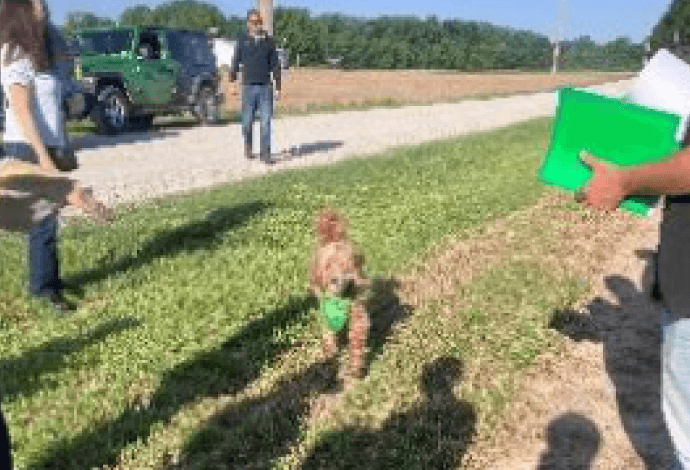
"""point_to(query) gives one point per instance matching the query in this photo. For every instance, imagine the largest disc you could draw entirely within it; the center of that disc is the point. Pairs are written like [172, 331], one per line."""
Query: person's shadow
[385, 312]
[225, 370]
[573, 443]
[202, 234]
[632, 349]
[253, 433]
[318, 146]
[434, 434]
[31, 371]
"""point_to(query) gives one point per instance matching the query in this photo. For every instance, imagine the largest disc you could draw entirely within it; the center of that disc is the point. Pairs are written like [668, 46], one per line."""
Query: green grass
[194, 309]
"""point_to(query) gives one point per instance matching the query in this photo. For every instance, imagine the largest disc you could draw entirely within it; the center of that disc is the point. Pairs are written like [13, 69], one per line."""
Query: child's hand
[606, 189]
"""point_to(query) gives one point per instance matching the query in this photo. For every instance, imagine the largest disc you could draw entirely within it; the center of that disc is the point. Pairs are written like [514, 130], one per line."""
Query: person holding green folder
[608, 186]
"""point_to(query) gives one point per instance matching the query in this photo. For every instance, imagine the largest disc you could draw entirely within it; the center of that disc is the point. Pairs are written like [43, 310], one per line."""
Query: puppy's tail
[330, 226]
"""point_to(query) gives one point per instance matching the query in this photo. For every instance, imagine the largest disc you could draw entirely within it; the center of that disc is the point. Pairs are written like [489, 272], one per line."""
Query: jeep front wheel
[207, 107]
[112, 111]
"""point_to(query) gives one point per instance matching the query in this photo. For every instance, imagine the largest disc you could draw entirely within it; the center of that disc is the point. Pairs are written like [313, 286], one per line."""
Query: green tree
[77, 20]
[138, 15]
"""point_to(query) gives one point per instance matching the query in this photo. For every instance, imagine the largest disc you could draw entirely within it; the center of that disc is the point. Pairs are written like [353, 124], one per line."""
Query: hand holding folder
[619, 133]
[606, 188]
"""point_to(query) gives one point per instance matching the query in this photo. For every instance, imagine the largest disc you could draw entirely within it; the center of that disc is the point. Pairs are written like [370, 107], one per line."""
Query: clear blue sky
[602, 20]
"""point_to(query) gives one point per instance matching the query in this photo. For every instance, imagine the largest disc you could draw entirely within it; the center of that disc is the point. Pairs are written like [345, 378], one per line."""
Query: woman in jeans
[23, 60]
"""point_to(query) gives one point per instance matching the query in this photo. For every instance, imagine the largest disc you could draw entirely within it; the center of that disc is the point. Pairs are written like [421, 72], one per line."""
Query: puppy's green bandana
[334, 310]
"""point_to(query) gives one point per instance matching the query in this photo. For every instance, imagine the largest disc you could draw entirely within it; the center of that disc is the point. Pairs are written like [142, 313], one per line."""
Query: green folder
[625, 134]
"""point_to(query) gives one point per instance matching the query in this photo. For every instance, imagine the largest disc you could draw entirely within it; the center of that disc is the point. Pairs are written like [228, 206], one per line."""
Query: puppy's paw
[329, 347]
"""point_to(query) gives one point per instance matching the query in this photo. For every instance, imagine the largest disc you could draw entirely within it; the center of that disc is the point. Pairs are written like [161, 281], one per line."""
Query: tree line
[397, 42]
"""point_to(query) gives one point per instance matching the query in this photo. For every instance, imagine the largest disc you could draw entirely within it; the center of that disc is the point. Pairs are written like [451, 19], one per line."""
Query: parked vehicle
[130, 74]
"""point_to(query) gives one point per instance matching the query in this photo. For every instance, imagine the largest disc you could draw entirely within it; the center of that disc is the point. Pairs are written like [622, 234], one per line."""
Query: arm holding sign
[609, 184]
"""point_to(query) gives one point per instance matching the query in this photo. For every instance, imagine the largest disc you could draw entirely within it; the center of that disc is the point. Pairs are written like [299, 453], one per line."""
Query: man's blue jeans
[258, 97]
[675, 383]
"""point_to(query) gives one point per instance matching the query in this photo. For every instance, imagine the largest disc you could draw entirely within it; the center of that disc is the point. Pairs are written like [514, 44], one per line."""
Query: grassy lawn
[196, 341]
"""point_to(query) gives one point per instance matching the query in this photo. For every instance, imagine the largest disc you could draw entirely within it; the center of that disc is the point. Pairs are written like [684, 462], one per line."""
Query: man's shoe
[248, 152]
[266, 157]
[59, 303]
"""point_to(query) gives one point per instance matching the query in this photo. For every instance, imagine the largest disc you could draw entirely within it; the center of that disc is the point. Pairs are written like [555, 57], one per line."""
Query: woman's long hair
[21, 27]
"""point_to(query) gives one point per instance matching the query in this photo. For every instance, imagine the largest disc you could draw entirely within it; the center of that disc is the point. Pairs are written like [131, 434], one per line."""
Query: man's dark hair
[253, 12]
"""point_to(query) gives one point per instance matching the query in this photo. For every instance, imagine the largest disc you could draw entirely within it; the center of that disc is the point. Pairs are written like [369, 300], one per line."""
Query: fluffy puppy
[336, 270]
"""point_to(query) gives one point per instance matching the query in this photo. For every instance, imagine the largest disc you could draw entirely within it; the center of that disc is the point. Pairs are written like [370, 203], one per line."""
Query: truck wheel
[112, 111]
[206, 109]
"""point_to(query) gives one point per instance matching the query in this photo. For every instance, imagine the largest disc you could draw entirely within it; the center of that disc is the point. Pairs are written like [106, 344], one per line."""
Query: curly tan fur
[337, 270]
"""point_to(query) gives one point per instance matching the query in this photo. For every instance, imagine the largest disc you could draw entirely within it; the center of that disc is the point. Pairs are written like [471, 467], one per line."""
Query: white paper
[664, 84]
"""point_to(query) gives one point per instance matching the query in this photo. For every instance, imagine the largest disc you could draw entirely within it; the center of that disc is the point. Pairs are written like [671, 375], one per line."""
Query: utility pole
[265, 7]
[557, 42]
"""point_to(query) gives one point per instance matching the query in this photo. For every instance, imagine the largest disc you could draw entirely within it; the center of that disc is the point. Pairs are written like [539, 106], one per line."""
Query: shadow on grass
[385, 312]
[22, 376]
[434, 434]
[223, 371]
[631, 338]
[573, 443]
[203, 234]
[256, 432]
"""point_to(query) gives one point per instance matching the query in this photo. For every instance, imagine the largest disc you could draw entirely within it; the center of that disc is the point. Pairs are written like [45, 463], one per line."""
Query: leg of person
[5, 444]
[44, 278]
[675, 383]
[266, 115]
[249, 105]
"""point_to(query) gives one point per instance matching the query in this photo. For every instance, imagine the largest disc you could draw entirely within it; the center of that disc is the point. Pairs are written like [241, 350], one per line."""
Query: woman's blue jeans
[675, 383]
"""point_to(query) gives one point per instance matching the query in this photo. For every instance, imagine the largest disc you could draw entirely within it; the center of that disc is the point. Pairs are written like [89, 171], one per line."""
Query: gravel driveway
[136, 166]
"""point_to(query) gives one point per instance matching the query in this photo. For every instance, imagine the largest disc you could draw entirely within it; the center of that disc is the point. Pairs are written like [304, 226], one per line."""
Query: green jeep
[129, 74]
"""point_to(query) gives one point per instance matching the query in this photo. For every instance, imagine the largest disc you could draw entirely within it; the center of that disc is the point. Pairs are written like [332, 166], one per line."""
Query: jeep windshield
[189, 47]
[104, 42]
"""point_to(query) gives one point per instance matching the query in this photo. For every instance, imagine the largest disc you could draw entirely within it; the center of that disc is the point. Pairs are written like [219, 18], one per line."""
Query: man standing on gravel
[608, 187]
[259, 58]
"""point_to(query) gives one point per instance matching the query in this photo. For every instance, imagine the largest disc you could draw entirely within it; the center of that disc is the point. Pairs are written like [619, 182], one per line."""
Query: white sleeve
[20, 71]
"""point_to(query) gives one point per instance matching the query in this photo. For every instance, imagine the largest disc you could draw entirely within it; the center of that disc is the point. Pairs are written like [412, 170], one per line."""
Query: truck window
[105, 42]
[189, 47]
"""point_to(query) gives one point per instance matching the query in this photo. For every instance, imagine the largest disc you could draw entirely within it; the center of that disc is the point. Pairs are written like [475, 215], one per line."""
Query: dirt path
[596, 404]
[599, 403]
[137, 166]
